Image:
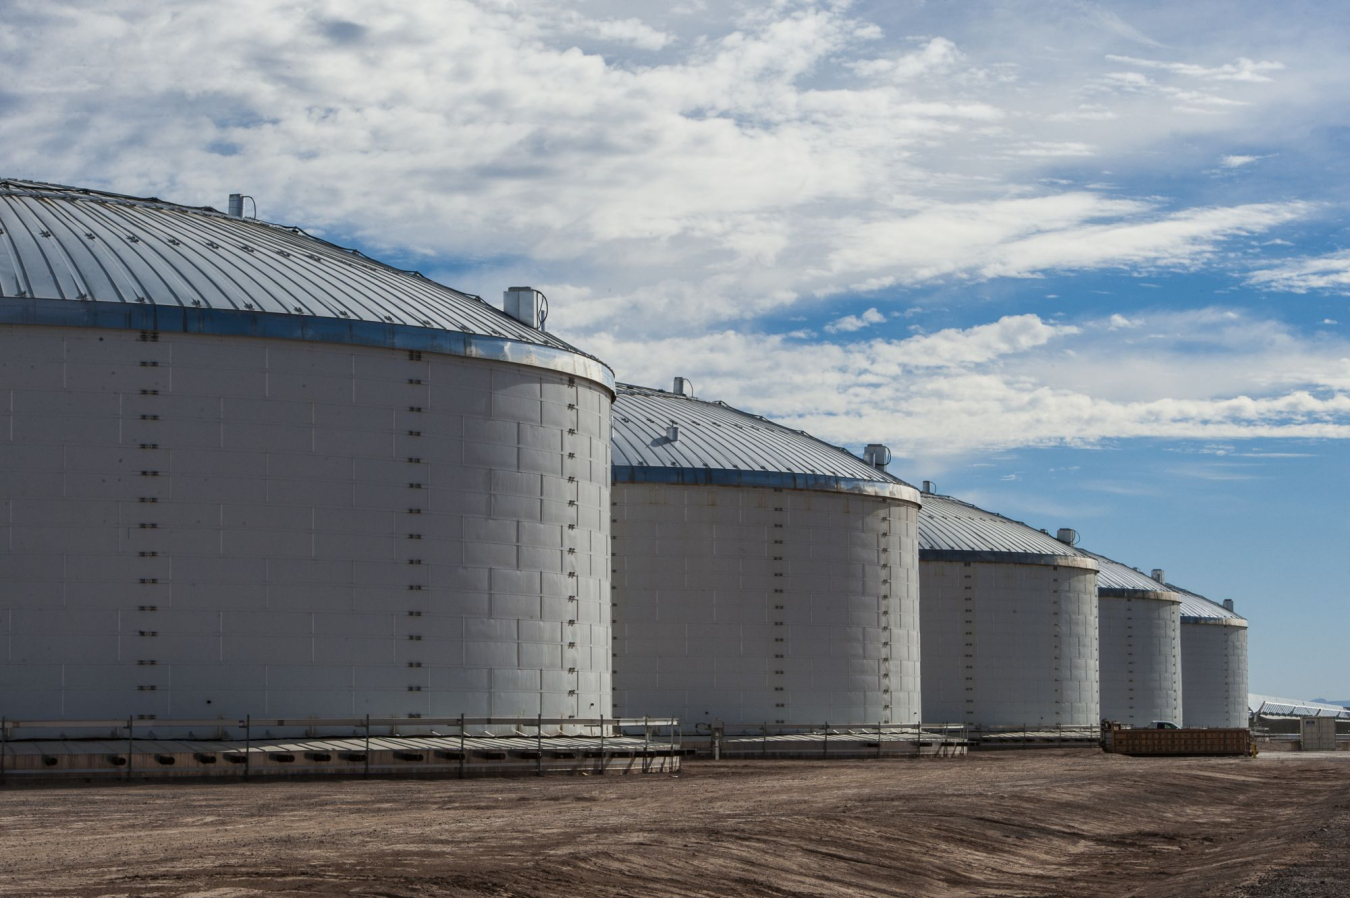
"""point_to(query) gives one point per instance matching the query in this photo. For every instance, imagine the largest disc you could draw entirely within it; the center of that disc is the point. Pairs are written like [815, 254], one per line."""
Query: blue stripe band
[307, 328]
[764, 479]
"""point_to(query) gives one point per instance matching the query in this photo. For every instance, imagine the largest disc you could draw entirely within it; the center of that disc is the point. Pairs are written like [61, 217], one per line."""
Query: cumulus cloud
[623, 31]
[850, 323]
[1023, 381]
[680, 180]
[724, 164]
[938, 55]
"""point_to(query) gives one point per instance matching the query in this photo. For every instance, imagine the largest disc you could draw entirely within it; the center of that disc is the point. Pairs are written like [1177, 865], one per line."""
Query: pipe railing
[649, 737]
[534, 725]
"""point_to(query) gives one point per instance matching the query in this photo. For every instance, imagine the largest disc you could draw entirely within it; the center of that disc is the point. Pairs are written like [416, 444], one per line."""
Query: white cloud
[1022, 237]
[850, 323]
[1053, 148]
[671, 178]
[938, 55]
[1238, 161]
[1021, 381]
[624, 31]
[1330, 272]
[1242, 69]
[744, 161]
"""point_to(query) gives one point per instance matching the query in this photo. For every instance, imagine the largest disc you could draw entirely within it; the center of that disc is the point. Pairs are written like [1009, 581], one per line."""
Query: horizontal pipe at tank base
[991, 557]
[825, 483]
[305, 328]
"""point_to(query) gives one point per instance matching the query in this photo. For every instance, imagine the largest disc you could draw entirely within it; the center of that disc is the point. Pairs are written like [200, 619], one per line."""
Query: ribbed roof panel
[1121, 578]
[713, 436]
[64, 243]
[1197, 608]
[948, 526]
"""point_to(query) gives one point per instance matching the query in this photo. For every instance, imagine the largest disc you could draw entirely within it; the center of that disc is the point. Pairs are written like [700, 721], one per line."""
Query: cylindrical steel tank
[1009, 622]
[760, 575]
[1213, 663]
[246, 471]
[1140, 627]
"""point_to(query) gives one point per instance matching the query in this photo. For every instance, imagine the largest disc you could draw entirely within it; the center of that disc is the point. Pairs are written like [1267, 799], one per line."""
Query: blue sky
[1083, 264]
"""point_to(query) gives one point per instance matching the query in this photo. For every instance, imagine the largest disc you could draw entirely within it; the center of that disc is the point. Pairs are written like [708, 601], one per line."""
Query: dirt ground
[1014, 824]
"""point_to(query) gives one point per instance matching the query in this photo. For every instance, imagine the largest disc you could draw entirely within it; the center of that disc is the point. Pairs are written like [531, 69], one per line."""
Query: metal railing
[800, 738]
[1041, 734]
[660, 736]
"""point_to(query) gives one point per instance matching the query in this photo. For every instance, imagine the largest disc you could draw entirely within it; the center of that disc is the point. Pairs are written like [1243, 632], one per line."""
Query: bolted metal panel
[716, 444]
[215, 526]
[1009, 645]
[82, 246]
[1213, 673]
[1141, 677]
[759, 605]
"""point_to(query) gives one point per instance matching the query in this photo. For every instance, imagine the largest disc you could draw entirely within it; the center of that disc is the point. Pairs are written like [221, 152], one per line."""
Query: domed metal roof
[1122, 581]
[1196, 609]
[662, 437]
[89, 258]
[952, 530]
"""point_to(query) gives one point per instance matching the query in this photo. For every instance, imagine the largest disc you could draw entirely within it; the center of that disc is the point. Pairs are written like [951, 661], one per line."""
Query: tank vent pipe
[877, 455]
[236, 207]
[1159, 574]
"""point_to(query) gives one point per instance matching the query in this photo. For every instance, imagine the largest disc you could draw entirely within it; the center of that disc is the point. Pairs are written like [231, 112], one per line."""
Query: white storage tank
[760, 575]
[1009, 622]
[246, 471]
[1140, 641]
[1213, 662]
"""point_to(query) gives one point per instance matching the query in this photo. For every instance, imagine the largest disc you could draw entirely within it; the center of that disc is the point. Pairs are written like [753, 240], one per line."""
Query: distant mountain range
[1345, 703]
